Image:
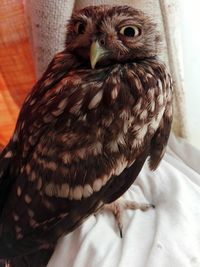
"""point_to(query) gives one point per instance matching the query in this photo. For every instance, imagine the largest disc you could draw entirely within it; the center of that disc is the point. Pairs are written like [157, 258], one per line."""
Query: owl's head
[103, 35]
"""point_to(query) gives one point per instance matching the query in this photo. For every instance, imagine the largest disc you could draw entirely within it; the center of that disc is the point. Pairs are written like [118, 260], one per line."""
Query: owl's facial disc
[104, 35]
[97, 52]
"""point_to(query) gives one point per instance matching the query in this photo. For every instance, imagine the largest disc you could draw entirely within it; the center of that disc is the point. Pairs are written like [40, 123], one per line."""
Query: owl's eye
[130, 31]
[80, 27]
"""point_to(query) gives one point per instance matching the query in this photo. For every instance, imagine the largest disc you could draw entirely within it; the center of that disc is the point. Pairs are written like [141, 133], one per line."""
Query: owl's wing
[161, 136]
[159, 141]
[61, 64]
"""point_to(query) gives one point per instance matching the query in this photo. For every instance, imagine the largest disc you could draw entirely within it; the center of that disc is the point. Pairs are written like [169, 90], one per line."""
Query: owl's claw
[118, 206]
[121, 233]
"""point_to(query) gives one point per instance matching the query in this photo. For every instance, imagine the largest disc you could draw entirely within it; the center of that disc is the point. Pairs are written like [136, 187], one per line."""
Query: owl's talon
[121, 232]
[118, 206]
[147, 206]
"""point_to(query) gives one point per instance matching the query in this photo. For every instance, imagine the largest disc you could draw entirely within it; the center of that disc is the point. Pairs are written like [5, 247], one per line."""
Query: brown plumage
[83, 133]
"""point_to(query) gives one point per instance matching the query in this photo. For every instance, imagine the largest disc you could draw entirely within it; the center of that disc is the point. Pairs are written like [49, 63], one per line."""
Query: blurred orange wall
[16, 64]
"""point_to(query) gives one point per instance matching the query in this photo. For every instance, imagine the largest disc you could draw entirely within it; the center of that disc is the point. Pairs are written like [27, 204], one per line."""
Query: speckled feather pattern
[81, 139]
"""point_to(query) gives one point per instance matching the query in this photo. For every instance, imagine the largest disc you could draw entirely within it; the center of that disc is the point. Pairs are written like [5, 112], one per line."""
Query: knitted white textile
[47, 26]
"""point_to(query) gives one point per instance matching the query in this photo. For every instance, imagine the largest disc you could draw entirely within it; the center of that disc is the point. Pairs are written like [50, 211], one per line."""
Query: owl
[102, 108]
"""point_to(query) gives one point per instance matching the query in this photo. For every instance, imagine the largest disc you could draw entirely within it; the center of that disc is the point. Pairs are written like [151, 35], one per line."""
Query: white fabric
[47, 22]
[190, 21]
[167, 236]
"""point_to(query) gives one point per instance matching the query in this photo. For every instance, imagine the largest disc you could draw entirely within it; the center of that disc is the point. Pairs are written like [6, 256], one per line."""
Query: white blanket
[167, 236]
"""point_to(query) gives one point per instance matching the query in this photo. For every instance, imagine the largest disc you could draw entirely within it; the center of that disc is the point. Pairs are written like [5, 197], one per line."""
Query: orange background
[16, 64]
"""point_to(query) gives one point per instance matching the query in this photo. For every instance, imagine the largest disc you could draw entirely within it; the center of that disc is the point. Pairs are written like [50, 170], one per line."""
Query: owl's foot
[118, 206]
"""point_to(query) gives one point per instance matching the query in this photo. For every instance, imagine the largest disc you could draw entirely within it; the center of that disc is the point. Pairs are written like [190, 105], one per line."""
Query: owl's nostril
[102, 41]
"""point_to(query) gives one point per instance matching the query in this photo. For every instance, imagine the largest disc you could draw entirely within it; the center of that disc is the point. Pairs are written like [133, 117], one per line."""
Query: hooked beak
[96, 53]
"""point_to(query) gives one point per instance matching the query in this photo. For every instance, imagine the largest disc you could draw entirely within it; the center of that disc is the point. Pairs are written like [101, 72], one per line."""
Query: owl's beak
[96, 53]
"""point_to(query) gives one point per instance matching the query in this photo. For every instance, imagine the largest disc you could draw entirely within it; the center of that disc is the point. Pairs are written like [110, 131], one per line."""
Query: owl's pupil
[129, 31]
[81, 28]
